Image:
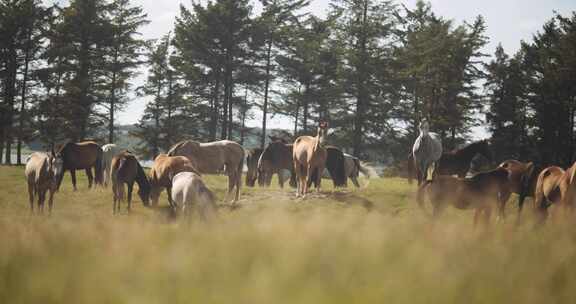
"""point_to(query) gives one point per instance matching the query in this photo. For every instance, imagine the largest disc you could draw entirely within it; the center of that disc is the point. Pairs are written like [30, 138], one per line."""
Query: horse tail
[365, 169]
[99, 167]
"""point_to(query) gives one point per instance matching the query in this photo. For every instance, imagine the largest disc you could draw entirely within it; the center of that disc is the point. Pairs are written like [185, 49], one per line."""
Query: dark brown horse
[277, 156]
[522, 179]
[480, 192]
[335, 164]
[125, 169]
[83, 155]
[252, 157]
[456, 162]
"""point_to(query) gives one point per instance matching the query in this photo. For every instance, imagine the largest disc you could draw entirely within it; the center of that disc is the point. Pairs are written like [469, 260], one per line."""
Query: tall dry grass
[368, 246]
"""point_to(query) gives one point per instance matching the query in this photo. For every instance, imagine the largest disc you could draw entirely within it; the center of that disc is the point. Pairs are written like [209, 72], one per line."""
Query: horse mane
[173, 149]
[62, 146]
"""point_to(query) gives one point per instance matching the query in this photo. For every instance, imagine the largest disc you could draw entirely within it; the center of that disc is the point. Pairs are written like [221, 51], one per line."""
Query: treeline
[373, 68]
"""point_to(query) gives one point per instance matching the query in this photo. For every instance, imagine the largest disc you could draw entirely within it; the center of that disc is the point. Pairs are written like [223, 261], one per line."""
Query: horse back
[81, 155]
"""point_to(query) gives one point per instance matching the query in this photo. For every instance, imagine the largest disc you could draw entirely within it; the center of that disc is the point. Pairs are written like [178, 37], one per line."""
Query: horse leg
[130, 187]
[50, 200]
[170, 202]
[238, 183]
[231, 183]
[503, 197]
[280, 179]
[31, 196]
[297, 173]
[90, 177]
[41, 199]
[355, 181]
[114, 196]
[318, 181]
[73, 176]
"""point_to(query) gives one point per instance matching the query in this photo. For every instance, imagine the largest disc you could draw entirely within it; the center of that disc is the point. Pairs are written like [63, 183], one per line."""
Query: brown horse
[547, 191]
[214, 158]
[252, 157]
[277, 156]
[83, 155]
[42, 172]
[479, 192]
[125, 169]
[335, 164]
[164, 168]
[563, 194]
[309, 155]
[456, 162]
[522, 180]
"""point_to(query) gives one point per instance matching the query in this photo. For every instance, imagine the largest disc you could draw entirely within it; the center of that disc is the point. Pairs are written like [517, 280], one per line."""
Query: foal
[125, 169]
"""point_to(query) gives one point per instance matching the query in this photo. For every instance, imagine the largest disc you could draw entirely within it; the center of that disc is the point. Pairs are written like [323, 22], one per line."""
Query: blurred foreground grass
[356, 246]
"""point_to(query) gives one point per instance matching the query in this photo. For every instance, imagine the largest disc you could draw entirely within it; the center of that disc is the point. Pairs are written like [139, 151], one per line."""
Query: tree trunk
[361, 97]
[305, 105]
[215, 107]
[266, 88]
[23, 98]
[9, 96]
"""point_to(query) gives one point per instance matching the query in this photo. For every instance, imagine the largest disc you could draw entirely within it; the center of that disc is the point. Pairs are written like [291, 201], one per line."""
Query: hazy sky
[508, 21]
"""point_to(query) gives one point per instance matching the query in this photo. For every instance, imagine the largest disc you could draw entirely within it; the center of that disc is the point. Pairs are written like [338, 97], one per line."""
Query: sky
[508, 22]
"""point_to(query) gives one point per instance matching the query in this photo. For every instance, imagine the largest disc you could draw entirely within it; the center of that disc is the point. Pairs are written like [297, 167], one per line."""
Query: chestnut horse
[563, 194]
[309, 155]
[42, 173]
[83, 155]
[125, 169]
[214, 158]
[162, 171]
[547, 191]
[479, 192]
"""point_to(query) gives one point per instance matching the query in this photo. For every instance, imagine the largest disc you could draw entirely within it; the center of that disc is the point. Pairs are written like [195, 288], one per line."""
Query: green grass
[357, 246]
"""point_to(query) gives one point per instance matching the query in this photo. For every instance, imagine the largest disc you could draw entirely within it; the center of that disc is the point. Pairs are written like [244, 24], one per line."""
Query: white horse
[353, 167]
[109, 151]
[42, 172]
[188, 190]
[426, 151]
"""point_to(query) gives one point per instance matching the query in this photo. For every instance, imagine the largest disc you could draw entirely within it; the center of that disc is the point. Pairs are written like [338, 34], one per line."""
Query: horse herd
[180, 170]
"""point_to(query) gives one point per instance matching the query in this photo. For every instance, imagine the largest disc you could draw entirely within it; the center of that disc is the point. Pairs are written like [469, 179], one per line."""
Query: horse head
[322, 131]
[424, 127]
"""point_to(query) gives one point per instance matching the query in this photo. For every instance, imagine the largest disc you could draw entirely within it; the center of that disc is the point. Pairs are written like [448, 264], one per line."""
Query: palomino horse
[309, 155]
[479, 192]
[426, 151]
[252, 157]
[83, 155]
[564, 194]
[353, 167]
[108, 152]
[188, 190]
[276, 157]
[522, 180]
[42, 172]
[213, 158]
[125, 169]
[547, 191]
[162, 171]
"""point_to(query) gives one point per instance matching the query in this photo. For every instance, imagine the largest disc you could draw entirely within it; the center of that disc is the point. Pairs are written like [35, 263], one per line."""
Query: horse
[42, 172]
[108, 152]
[252, 157]
[563, 194]
[522, 180]
[125, 169]
[213, 157]
[162, 171]
[480, 192]
[353, 167]
[189, 189]
[335, 165]
[83, 155]
[547, 191]
[308, 156]
[275, 157]
[426, 151]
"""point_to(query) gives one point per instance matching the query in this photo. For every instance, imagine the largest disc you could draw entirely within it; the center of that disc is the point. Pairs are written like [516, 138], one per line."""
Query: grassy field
[357, 246]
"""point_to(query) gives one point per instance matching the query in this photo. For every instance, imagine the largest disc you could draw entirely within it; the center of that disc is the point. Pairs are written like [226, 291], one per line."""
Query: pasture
[351, 246]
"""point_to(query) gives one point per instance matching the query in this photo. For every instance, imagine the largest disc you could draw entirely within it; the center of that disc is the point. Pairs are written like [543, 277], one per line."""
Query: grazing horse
[125, 169]
[426, 151]
[252, 157]
[308, 156]
[479, 192]
[353, 166]
[188, 189]
[108, 152]
[42, 172]
[522, 179]
[213, 158]
[547, 191]
[277, 156]
[162, 171]
[83, 155]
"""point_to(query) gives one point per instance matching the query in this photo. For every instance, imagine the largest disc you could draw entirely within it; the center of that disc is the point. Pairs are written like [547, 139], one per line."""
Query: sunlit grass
[356, 246]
